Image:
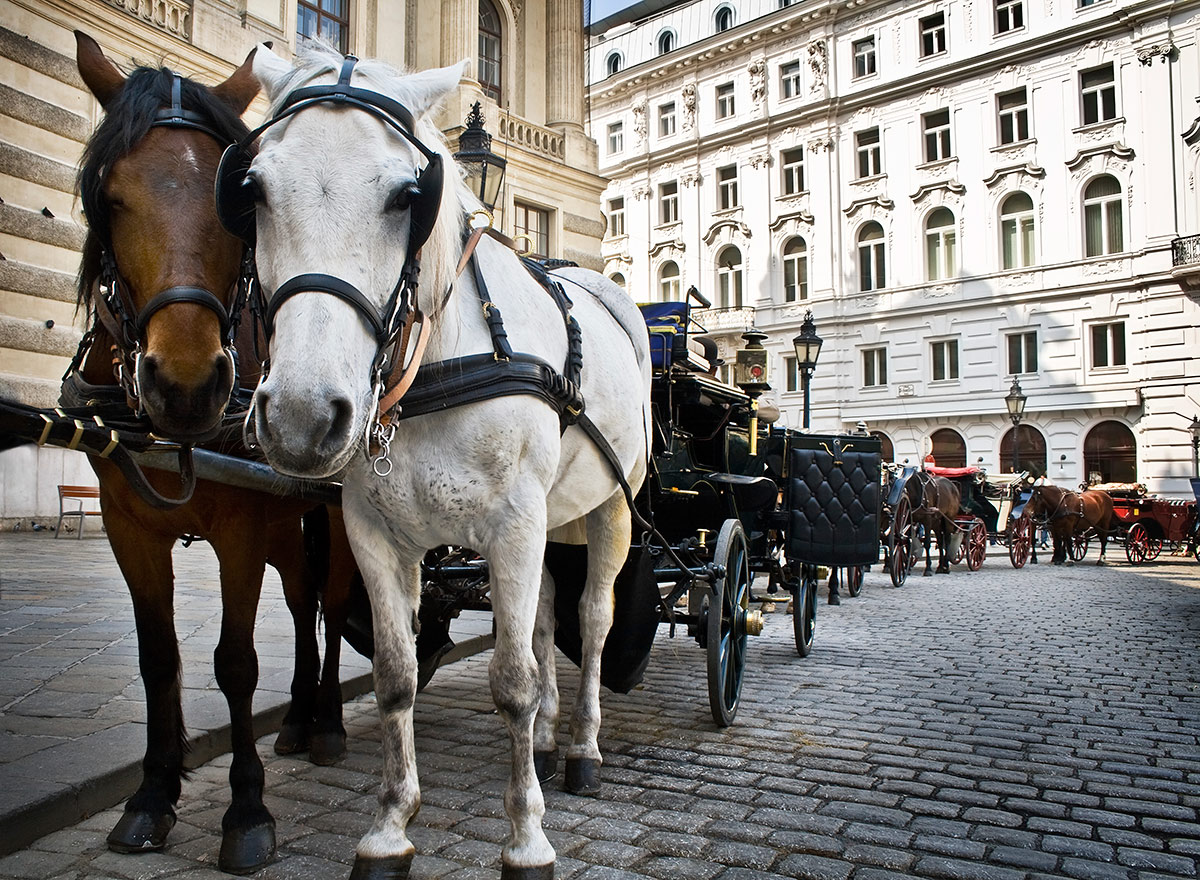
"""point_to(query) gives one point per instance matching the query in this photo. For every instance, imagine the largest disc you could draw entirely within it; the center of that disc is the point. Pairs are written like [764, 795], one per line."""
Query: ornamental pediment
[726, 227]
[796, 218]
[1105, 154]
[944, 187]
[1024, 175]
[870, 202]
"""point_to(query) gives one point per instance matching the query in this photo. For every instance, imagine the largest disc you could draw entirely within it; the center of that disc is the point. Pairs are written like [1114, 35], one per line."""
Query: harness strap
[470, 379]
[182, 294]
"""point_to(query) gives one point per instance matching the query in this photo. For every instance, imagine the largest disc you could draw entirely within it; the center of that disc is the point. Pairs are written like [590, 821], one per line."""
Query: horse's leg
[927, 537]
[946, 530]
[608, 528]
[329, 733]
[1058, 539]
[145, 560]
[545, 724]
[248, 830]
[834, 599]
[286, 553]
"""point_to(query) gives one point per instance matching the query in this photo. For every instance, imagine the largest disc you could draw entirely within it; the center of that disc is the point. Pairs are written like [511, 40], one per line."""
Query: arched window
[490, 49]
[668, 281]
[1110, 454]
[1031, 450]
[666, 42]
[795, 270]
[888, 452]
[949, 448]
[872, 265]
[1016, 231]
[1103, 222]
[729, 278]
[941, 255]
[618, 279]
[613, 63]
[723, 20]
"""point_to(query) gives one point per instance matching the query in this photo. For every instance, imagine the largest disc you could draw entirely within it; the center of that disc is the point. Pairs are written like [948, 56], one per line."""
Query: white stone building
[963, 192]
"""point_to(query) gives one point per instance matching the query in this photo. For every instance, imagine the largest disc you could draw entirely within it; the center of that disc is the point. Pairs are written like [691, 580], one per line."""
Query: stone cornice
[1118, 150]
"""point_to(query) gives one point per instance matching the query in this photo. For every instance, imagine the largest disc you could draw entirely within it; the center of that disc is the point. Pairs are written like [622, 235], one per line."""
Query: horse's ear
[270, 69]
[241, 87]
[423, 91]
[99, 74]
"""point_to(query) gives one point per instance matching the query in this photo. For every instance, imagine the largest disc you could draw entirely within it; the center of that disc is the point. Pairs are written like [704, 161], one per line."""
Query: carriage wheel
[1020, 540]
[1078, 547]
[853, 579]
[976, 544]
[1156, 545]
[901, 555]
[1137, 544]
[726, 623]
[804, 609]
[960, 552]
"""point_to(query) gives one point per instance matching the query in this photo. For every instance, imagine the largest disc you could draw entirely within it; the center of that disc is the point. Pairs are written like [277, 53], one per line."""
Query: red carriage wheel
[1137, 544]
[1153, 548]
[976, 544]
[1020, 540]
[1078, 547]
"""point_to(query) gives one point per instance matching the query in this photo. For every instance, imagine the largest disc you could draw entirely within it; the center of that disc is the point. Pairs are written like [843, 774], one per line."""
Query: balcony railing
[724, 320]
[1185, 251]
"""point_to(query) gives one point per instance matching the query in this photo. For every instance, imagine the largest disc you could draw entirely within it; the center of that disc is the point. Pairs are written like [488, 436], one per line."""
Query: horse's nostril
[341, 419]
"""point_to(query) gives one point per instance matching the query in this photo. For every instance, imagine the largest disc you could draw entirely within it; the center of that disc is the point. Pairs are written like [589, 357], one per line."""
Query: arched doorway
[887, 450]
[1110, 454]
[1031, 450]
[949, 448]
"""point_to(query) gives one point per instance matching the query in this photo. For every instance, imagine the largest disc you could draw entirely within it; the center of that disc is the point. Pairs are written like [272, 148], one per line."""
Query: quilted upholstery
[835, 497]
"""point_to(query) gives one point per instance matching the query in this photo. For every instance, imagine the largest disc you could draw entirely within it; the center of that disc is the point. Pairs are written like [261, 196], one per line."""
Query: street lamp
[750, 374]
[808, 349]
[485, 170]
[1194, 427]
[1015, 402]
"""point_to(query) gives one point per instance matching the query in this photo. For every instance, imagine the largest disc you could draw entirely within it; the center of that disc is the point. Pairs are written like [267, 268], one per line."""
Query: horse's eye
[253, 188]
[402, 197]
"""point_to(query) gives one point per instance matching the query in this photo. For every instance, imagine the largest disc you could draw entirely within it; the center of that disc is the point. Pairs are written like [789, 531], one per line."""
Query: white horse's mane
[439, 254]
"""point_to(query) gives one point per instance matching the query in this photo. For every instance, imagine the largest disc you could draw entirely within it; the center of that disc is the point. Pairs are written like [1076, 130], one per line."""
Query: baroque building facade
[526, 70]
[963, 192]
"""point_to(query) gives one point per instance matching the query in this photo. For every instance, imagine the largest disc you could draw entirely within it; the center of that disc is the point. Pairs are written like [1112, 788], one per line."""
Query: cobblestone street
[1000, 725]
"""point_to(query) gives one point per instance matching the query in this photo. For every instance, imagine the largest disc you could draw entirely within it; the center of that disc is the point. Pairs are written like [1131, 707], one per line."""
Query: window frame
[616, 138]
[1009, 16]
[666, 119]
[1014, 116]
[941, 247]
[315, 8]
[944, 355]
[614, 62]
[727, 188]
[862, 55]
[935, 134]
[616, 217]
[1099, 99]
[795, 263]
[668, 202]
[665, 42]
[789, 80]
[670, 288]
[791, 372]
[730, 280]
[727, 11]
[932, 31]
[792, 172]
[1018, 360]
[539, 239]
[1107, 327]
[1024, 223]
[868, 153]
[1103, 204]
[873, 364]
[872, 257]
[726, 95]
[494, 89]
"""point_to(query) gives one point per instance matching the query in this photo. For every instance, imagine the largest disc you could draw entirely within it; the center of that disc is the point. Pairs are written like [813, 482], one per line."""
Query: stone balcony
[1185, 262]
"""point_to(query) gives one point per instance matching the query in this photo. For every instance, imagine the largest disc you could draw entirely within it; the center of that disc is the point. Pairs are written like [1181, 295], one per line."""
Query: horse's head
[157, 265]
[350, 180]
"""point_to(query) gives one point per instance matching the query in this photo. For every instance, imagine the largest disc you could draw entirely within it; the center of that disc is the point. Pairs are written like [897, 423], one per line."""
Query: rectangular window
[616, 137]
[616, 217]
[1108, 345]
[936, 126]
[872, 264]
[789, 80]
[1099, 94]
[668, 202]
[792, 168]
[874, 365]
[864, 57]
[534, 222]
[1013, 111]
[933, 34]
[1022, 353]
[945, 360]
[325, 19]
[1010, 15]
[792, 371]
[869, 160]
[666, 119]
[725, 101]
[727, 188]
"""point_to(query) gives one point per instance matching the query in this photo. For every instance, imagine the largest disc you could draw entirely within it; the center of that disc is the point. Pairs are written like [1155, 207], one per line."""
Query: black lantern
[1014, 401]
[750, 374]
[485, 170]
[808, 349]
[1194, 427]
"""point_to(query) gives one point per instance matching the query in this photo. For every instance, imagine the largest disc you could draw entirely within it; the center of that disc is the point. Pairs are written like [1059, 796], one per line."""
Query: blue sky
[604, 8]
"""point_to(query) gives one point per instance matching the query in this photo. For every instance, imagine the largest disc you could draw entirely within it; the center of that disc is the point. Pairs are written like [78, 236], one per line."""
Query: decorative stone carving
[728, 226]
[758, 81]
[868, 302]
[1162, 50]
[689, 106]
[1102, 268]
[691, 178]
[639, 119]
[760, 160]
[937, 291]
[1020, 176]
[1017, 280]
[818, 62]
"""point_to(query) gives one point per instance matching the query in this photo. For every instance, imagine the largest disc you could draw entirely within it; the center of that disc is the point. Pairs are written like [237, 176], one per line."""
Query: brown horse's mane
[127, 119]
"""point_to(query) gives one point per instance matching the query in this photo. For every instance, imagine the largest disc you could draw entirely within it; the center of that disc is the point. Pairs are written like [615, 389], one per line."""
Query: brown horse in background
[935, 503]
[147, 181]
[1068, 514]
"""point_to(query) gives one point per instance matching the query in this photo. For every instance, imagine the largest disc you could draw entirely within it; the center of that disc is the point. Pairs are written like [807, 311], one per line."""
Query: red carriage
[1146, 523]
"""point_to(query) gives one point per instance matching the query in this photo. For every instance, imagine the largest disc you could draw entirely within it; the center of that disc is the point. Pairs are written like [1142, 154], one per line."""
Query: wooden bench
[77, 495]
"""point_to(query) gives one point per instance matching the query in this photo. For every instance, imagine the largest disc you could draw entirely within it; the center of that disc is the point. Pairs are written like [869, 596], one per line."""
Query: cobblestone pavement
[998, 725]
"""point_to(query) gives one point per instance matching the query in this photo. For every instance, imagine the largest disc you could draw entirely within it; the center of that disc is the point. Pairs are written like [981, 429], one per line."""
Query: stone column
[460, 32]
[564, 63]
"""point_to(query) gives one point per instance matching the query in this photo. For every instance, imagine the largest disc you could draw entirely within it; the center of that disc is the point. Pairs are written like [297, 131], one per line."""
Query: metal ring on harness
[529, 250]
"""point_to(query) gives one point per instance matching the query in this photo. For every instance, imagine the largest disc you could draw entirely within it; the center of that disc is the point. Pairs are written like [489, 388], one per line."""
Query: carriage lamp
[1015, 403]
[808, 349]
[484, 169]
[750, 374]
[1194, 427]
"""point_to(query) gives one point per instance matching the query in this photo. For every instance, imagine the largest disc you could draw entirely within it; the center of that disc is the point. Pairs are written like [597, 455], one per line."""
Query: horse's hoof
[292, 738]
[538, 872]
[926, 573]
[245, 850]
[386, 868]
[545, 764]
[327, 748]
[140, 831]
[583, 777]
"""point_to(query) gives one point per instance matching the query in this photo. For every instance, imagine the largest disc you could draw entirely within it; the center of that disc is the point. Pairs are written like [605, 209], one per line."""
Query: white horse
[335, 187]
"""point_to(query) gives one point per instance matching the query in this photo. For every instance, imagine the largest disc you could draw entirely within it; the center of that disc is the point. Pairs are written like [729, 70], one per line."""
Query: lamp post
[808, 349]
[485, 170]
[1194, 427]
[750, 374]
[1015, 402]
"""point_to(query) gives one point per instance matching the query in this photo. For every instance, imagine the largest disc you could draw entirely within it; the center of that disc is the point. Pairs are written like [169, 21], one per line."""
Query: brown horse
[1069, 514]
[935, 503]
[161, 278]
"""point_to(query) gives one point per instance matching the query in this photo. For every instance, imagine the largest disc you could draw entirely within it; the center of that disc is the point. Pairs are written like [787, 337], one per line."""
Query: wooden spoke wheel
[1078, 547]
[1137, 544]
[1020, 540]
[804, 609]
[901, 556]
[727, 632]
[976, 545]
[1156, 545]
[852, 577]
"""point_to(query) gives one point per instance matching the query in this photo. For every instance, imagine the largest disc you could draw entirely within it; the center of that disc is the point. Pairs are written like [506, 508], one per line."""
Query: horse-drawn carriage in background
[1144, 523]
